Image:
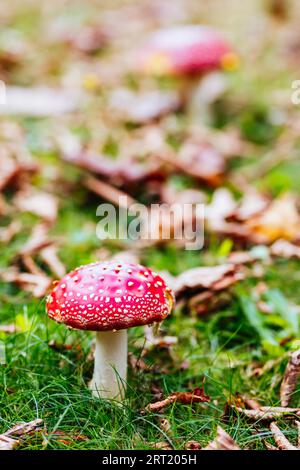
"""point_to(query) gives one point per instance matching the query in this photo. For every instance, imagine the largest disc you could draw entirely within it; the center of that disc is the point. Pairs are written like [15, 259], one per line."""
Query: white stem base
[110, 370]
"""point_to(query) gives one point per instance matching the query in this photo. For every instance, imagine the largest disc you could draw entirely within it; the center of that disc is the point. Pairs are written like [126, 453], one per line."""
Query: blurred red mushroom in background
[188, 52]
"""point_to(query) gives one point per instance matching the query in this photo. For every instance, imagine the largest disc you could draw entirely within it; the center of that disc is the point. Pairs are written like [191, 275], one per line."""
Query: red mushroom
[109, 298]
[187, 51]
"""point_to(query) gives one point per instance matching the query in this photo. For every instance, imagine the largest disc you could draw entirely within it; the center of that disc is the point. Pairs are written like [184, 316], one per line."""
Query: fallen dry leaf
[290, 379]
[165, 425]
[109, 192]
[9, 169]
[192, 445]
[163, 445]
[7, 443]
[281, 219]
[285, 249]
[38, 101]
[144, 107]
[42, 204]
[137, 158]
[39, 239]
[222, 441]
[213, 278]
[204, 289]
[197, 396]
[137, 363]
[282, 442]
[202, 161]
[12, 168]
[67, 439]
[50, 257]
[171, 195]
[252, 204]
[30, 265]
[7, 233]
[270, 446]
[269, 413]
[37, 284]
[11, 438]
[255, 219]
[87, 40]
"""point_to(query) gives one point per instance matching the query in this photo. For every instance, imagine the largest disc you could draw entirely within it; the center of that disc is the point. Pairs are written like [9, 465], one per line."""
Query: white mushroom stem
[110, 370]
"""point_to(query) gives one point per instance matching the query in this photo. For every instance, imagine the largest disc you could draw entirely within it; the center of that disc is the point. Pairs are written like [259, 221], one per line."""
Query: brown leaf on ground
[44, 205]
[7, 443]
[163, 445]
[281, 441]
[255, 219]
[37, 284]
[137, 363]
[258, 369]
[165, 425]
[192, 445]
[251, 403]
[14, 170]
[186, 398]
[30, 265]
[172, 195]
[9, 169]
[268, 413]
[11, 438]
[281, 219]
[290, 379]
[144, 107]
[38, 101]
[222, 441]
[221, 207]
[270, 446]
[204, 289]
[202, 161]
[109, 192]
[50, 257]
[3, 206]
[213, 278]
[285, 249]
[8, 233]
[38, 240]
[67, 439]
[252, 204]
[137, 161]
[86, 40]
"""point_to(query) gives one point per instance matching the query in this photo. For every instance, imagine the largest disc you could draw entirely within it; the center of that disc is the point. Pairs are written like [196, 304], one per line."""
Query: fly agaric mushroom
[109, 298]
[188, 51]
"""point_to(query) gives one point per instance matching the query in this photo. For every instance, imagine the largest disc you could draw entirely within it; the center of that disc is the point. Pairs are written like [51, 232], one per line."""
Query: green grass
[38, 381]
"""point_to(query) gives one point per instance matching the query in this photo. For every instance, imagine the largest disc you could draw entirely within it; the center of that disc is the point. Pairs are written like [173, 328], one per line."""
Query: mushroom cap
[185, 50]
[110, 296]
